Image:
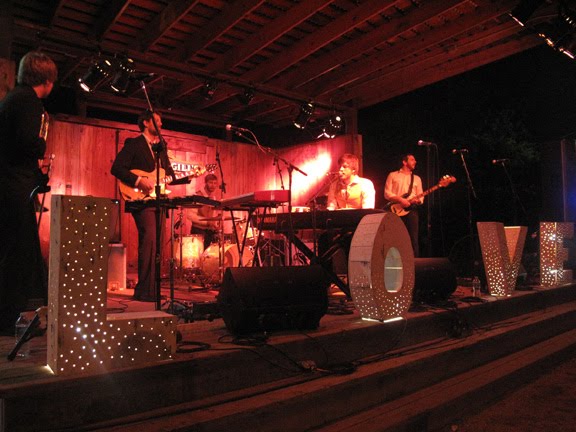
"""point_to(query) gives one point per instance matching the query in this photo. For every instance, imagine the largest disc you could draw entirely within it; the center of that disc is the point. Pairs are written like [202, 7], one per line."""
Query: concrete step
[417, 387]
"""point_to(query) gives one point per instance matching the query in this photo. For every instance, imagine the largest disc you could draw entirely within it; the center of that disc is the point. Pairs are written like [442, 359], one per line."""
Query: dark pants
[23, 274]
[411, 222]
[146, 225]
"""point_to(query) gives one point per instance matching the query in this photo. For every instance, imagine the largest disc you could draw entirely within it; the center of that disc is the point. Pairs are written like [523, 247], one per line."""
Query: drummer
[204, 219]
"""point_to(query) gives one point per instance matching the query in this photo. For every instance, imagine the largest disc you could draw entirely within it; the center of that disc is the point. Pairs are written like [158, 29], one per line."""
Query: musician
[401, 187]
[139, 153]
[23, 273]
[198, 216]
[350, 191]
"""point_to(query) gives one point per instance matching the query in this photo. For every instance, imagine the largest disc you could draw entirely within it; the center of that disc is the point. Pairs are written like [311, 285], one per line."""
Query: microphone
[497, 161]
[229, 127]
[456, 151]
[141, 76]
[425, 143]
[332, 173]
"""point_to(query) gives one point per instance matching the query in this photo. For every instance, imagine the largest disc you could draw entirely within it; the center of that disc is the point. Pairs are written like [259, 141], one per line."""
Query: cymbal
[217, 218]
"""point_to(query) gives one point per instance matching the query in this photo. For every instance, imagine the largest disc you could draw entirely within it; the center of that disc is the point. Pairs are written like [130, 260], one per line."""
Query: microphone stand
[291, 167]
[514, 194]
[221, 233]
[157, 149]
[471, 193]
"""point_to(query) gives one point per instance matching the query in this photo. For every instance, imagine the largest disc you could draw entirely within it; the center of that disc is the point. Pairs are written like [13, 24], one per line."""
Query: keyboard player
[348, 191]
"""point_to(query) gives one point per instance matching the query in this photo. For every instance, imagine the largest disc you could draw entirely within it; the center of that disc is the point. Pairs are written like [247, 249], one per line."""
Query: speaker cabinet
[254, 299]
[435, 280]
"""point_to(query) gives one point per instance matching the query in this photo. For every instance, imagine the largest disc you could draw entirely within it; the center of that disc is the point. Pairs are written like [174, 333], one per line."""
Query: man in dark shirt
[138, 154]
[23, 273]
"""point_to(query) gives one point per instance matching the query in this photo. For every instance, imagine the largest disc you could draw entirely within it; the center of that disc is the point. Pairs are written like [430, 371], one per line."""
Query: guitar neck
[427, 191]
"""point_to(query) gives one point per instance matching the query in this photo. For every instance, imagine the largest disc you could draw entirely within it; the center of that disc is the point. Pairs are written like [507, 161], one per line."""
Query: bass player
[403, 187]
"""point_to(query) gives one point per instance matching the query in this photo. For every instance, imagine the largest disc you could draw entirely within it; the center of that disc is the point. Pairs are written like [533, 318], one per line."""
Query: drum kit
[207, 266]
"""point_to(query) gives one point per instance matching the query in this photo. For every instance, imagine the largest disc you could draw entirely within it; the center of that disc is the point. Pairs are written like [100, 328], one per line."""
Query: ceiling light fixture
[209, 89]
[247, 96]
[121, 79]
[96, 75]
[332, 128]
[303, 117]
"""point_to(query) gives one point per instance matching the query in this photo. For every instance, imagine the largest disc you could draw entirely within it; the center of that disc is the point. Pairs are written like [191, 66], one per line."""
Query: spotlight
[121, 79]
[209, 89]
[524, 10]
[333, 127]
[306, 111]
[559, 35]
[95, 76]
[247, 96]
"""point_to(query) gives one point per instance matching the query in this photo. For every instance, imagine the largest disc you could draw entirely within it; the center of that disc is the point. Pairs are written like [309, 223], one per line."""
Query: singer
[403, 187]
[138, 154]
[23, 274]
[348, 191]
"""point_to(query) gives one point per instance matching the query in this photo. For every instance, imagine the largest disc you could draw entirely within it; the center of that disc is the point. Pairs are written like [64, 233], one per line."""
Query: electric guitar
[131, 193]
[397, 208]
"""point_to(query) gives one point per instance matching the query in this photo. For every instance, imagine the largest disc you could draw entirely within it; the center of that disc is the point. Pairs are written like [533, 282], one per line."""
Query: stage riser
[55, 403]
[313, 404]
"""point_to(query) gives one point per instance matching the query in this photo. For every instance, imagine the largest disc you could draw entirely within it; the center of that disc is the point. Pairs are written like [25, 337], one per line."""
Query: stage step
[421, 387]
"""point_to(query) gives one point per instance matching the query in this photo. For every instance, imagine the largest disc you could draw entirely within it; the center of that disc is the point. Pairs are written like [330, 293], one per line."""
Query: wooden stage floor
[211, 362]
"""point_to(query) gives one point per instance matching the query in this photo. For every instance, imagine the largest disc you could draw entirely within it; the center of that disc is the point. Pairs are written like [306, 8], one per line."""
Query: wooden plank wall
[85, 149]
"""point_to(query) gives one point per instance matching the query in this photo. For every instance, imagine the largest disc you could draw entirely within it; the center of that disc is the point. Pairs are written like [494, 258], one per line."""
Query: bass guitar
[131, 193]
[397, 208]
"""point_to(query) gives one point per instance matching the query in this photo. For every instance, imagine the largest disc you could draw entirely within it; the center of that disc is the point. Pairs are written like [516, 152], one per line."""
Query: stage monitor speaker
[435, 280]
[254, 299]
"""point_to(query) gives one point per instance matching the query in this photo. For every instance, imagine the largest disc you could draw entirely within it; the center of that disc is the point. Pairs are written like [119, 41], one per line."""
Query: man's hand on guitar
[405, 202]
[146, 185]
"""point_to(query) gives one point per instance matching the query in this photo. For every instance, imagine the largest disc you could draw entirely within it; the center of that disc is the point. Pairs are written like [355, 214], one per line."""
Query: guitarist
[23, 275]
[401, 187]
[138, 153]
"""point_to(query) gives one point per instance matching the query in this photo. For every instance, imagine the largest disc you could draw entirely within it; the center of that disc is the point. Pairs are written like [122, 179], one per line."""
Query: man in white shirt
[403, 187]
[350, 191]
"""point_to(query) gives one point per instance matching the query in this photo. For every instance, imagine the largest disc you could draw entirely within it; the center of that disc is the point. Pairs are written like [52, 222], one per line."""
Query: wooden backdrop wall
[85, 149]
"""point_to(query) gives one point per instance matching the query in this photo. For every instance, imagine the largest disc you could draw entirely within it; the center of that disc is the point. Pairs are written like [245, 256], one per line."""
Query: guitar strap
[411, 184]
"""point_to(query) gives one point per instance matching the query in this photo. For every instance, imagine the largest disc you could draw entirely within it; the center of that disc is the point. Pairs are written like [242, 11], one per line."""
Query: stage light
[96, 75]
[524, 10]
[209, 89]
[247, 96]
[306, 111]
[332, 128]
[121, 79]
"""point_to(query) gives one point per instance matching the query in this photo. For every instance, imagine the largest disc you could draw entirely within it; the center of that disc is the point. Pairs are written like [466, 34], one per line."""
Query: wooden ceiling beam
[356, 71]
[54, 12]
[273, 30]
[164, 21]
[228, 18]
[318, 67]
[434, 58]
[111, 12]
[438, 55]
[316, 40]
[420, 75]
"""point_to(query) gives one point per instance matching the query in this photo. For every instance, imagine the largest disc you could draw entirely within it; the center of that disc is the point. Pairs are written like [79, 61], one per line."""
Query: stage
[342, 376]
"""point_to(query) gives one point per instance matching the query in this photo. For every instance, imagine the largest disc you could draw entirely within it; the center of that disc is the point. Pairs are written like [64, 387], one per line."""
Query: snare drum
[231, 258]
[192, 249]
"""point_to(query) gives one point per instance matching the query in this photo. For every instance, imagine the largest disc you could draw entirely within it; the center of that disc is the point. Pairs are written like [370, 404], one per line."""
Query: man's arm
[368, 194]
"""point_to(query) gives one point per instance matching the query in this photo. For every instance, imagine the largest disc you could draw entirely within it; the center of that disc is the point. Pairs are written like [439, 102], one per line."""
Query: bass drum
[231, 259]
[191, 252]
